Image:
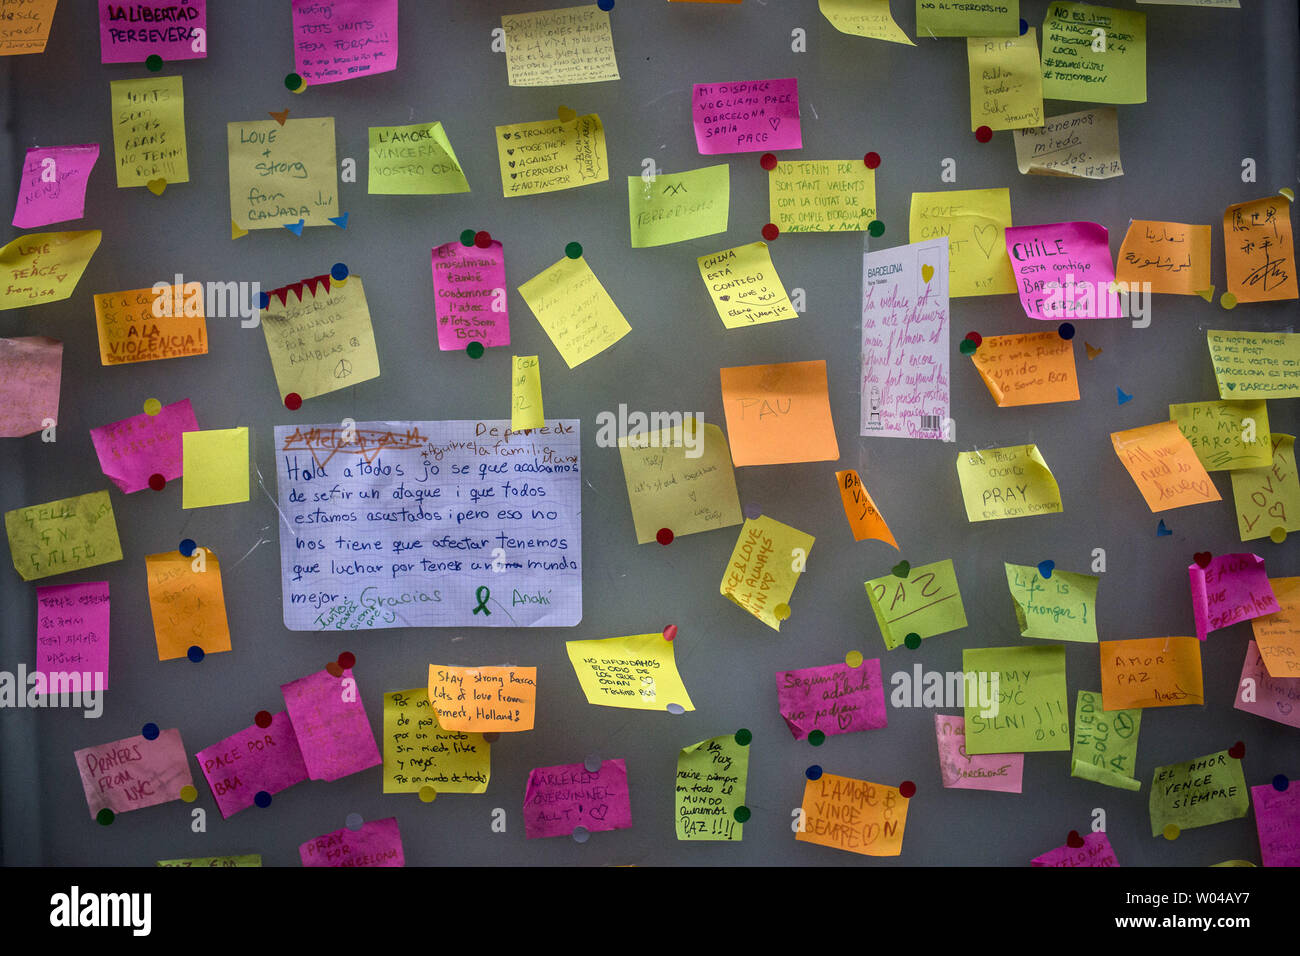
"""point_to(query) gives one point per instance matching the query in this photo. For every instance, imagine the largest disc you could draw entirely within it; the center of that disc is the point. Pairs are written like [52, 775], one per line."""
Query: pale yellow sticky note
[679, 478]
[764, 568]
[1268, 498]
[824, 195]
[974, 221]
[525, 393]
[639, 672]
[559, 47]
[282, 175]
[26, 27]
[1006, 81]
[1094, 54]
[674, 207]
[320, 337]
[744, 286]
[1255, 364]
[418, 753]
[575, 310]
[1083, 145]
[1226, 435]
[553, 154]
[215, 465]
[64, 535]
[149, 131]
[44, 266]
[864, 18]
[1010, 482]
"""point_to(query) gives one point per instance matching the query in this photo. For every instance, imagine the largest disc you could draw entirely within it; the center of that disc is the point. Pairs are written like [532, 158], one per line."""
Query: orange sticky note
[1029, 369]
[778, 414]
[479, 699]
[144, 325]
[1260, 251]
[853, 815]
[864, 518]
[188, 604]
[1164, 466]
[1278, 635]
[1173, 256]
[1151, 672]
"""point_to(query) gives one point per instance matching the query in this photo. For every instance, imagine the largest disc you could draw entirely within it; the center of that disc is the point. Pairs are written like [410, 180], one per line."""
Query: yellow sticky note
[282, 175]
[44, 266]
[64, 535]
[149, 131]
[418, 753]
[1268, 498]
[553, 154]
[1082, 145]
[973, 220]
[1277, 635]
[744, 286]
[525, 393]
[1010, 482]
[559, 47]
[639, 672]
[1164, 466]
[502, 699]
[187, 603]
[825, 195]
[1260, 251]
[1094, 54]
[864, 18]
[764, 568]
[319, 335]
[943, 18]
[575, 310]
[144, 325]
[1006, 81]
[864, 519]
[1226, 435]
[215, 465]
[854, 815]
[1172, 256]
[29, 29]
[413, 160]
[1256, 364]
[674, 207]
[1030, 368]
[779, 414]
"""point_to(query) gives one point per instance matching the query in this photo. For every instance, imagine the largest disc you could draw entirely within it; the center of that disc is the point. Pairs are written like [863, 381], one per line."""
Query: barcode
[930, 423]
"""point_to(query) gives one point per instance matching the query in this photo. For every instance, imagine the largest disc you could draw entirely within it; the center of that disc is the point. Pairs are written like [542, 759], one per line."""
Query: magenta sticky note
[1277, 820]
[1231, 588]
[331, 724]
[469, 295]
[337, 40]
[1275, 698]
[963, 771]
[747, 117]
[72, 632]
[52, 185]
[377, 843]
[253, 760]
[558, 799]
[133, 32]
[1096, 851]
[1063, 270]
[136, 448]
[133, 773]
[835, 698]
[31, 370]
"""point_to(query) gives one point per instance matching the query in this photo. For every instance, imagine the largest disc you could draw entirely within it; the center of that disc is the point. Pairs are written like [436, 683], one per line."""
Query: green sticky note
[927, 602]
[672, 207]
[711, 778]
[1031, 713]
[215, 464]
[1198, 792]
[1060, 608]
[413, 160]
[967, 18]
[245, 859]
[1105, 742]
[1094, 54]
[1226, 435]
[64, 535]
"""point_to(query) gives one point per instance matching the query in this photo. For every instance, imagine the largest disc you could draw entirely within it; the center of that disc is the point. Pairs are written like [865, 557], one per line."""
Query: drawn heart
[902, 569]
[156, 186]
[844, 720]
[1285, 708]
[1074, 840]
[961, 749]
[511, 164]
[775, 121]
[1277, 511]
[1237, 750]
[927, 273]
[505, 135]
[1231, 385]
[1202, 558]
[598, 813]
[510, 152]
[1045, 568]
[514, 175]
[985, 237]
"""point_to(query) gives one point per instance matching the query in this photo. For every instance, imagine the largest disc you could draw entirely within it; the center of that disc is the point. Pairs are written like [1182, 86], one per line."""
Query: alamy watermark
[37, 688]
[1091, 299]
[951, 689]
[654, 430]
[212, 300]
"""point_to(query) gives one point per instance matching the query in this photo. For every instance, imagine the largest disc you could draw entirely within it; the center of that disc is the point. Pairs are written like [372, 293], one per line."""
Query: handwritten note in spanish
[418, 753]
[1278, 634]
[1198, 793]
[710, 788]
[1083, 65]
[1006, 81]
[261, 757]
[1083, 145]
[1151, 672]
[925, 601]
[1105, 742]
[674, 207]
[744, 286]
[1227, 436]
[143, 325]
[833, 698]
[1030, 368]
[639, 672]
[319, 335]
[1061, 269]
[171, 29]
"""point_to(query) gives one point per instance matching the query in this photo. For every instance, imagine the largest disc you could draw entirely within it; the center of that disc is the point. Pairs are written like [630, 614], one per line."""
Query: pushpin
[573, 250]
[263, 719]
[338, 272]
[428, 794]
[262, 799]
[592, 763]
[1277, 535]
[1228, 300]
[816, 738]
[293, 82]
[675, 709]
[187, 547]
[743, 737]
[876, 228]
[482, 239]
[1066, 331]
[741, 813]
[1171, 831]
[768, 161]
[347, 660]
[664, 536]
[871, 160]
[770, 231]
[813, 773]
[1074, 841]
[467, 237]
[293, 401]
[1237, 750]
[152, 407]
[853, 658]
[188, 793]
[581, 834]
[1280, 783]
[157, 482]
[474, 350]
[104, 817]
[670, 632]
[912, 641]
[907, 789]
[149, 731]
[153, 63]
[354, 821]
[195, 653]
[983, 134]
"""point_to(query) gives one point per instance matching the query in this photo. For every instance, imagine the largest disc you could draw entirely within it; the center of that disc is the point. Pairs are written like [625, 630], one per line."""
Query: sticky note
[1231, 588]
[825, 195]
[1278, 634]
[1096, 851]
[967, 18]
[64, 535]
[1151, 672]
[927, 603]
[1256, 364]
[1105, 741]
[215, 464]
[72, 633]
[905, 351]
[149, 131]
[1277, 821]
[415, 160]
[1011, 482]
[778, 414]
[1060, 608]
[639, 672]
[1261, 694]
[547, 155]
[376, 843]
[1260, 251]
[171, 29]
[1268, 498]
[526, 393]
[1082, 145]
[574, 310]
[864, 18]
[1006, 81]
[853, 815]
[1029, 368]
[134, 773]
[1079, 67]
[1172, 256]
[559, 47]
[31, 370]
[282, 174]
[418, 753]
[864, 518]
[52, 185]
[320, 337]
[1061, 269]
[1225, 4]
[559, 799]
[343, 39]
[1197, 793]
[1164, 466]
[135, 449]
[469, 295]
[765, 566]
[29, 31]
[710, 787]
[1218, 431]
[500, 699]
[832, 698]
[680, 478]
[244, 859]
[44, 266]
[187, 603]
[146, 325]
[330, 723]
[674, 207]
[744, 286]
[973, 220]
[1003, 773]
[1033, 708]
[252, 761]
[746, 116]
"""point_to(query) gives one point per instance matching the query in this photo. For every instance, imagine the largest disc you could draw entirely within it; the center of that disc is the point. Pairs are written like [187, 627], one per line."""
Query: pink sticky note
[252, 760]
[1231, 588]
[1277, 820]
[31, 369]
[337, 40]
[834, 698]
[467, 283]
[52, 186]
[962, 771]
[136, 448]
[558, 799]
[1063, 270]
[1275, 698]
[133, 32]
[134, 773]
[747, 117]
[377, 843]
[72, 632]
[1096, 851]
[331, 724]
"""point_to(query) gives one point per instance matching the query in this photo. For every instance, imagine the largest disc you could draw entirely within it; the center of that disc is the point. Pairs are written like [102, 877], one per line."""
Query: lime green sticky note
[673, 207]
[1197, 793]
[1105, 742]
[413, 160]
[215, 464]
[244, 859]
[711, 777]
[1094, 54]
[1031, 707]
[64, 535]
[1226, 435]
[967, 18]
[925, 602]
[1060, 608]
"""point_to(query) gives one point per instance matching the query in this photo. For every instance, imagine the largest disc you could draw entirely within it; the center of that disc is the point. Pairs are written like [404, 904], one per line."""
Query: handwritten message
[1006, 81]
[1263, 364]
[557, 800]
[26, 25]
[746, 117]
[1061, 269]
[710, 789]
[1003, 773]
[31, 370]
[853, 815]
[1062, 607]
[554, 154]
[414, 160]
[44, 266]
[1260, 250]
[1218, 432]
[574, 310]
[1096, 851]
[926, 602]
[187, 603]
[501, 699]
[320, 337]
[134, 773]
[135, 449]
[1083, 145]
[1105, 742]
[343, 39]
[256, 759]
[679, 478]
[1080, 67]
[779, 414]
[1278, 634]
[1198, 793]
[282, 175]
[1268, 498]
[833, 698]
[149, 131]
[142, 326]
[526, 410]
[72, 632]
[376, 843]
[64, 535]
[864, 18]
[1151, 672]
[1031, 368]
[245, 859]
[1259, 693]
[822, 195]
[1033, 707]
[1277, 822]
[674, 207]
[1001, 483]
[1172, 256]
[765, 565]
[973, 220]
[744, 286]
[638, 672]
[960, 18]
[1230, 588]
[864, 518]
[171, 29]
[1164, 466]
[52, 187]
[469, 295]
[559, 47]
[419, 753]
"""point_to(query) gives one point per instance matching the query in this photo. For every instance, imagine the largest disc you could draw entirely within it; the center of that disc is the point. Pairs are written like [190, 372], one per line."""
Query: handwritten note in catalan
[64, 535]
[559, 47]
[29, 30]
[343, 39]
[746, 117]
[1256, 364]
[827, 195]
[469, 295]
[778, 414]
[149, 131]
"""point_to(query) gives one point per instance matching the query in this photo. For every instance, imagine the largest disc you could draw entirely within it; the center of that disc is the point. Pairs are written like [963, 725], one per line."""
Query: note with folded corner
[415, 160]
[924, 601]
[674, 207]
[974, 221]
[963, 771]
[376, 843]
[1278, 634]
[1256, 364]
[343, 39]
[1028, 368]
[574, 310]
[864, 518]
[330, 723]
[1268, 498]
[558, 800]
[149, 132]
[1105, 742]
[547, 155]
[1172, 256]
[864, 18]
[320, 336]
[1095, 851]
[418, 753]
[744, 286]
[31, 371]
[1097, 54]
[44, 266]
[1260, 251]
[832, 698]
[187, 603]
[1227, 589]
[1007, 483]
[261, 758]
[64, 535]
[134, 772]
[282, 174]
[559, 47]
[52, 185]
[135, 449]
[1033, 708]
[878, 812]
[1164, 466]
[1083, 145]
[1258, 693]
[1063, 270]
[216, 467]
[711, 779]
[639, 672]
[679, 478]
[1227, 436]
[1198, 793]
[1006, 81]
[779, 414]
[1059, 607]
[765, 566]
